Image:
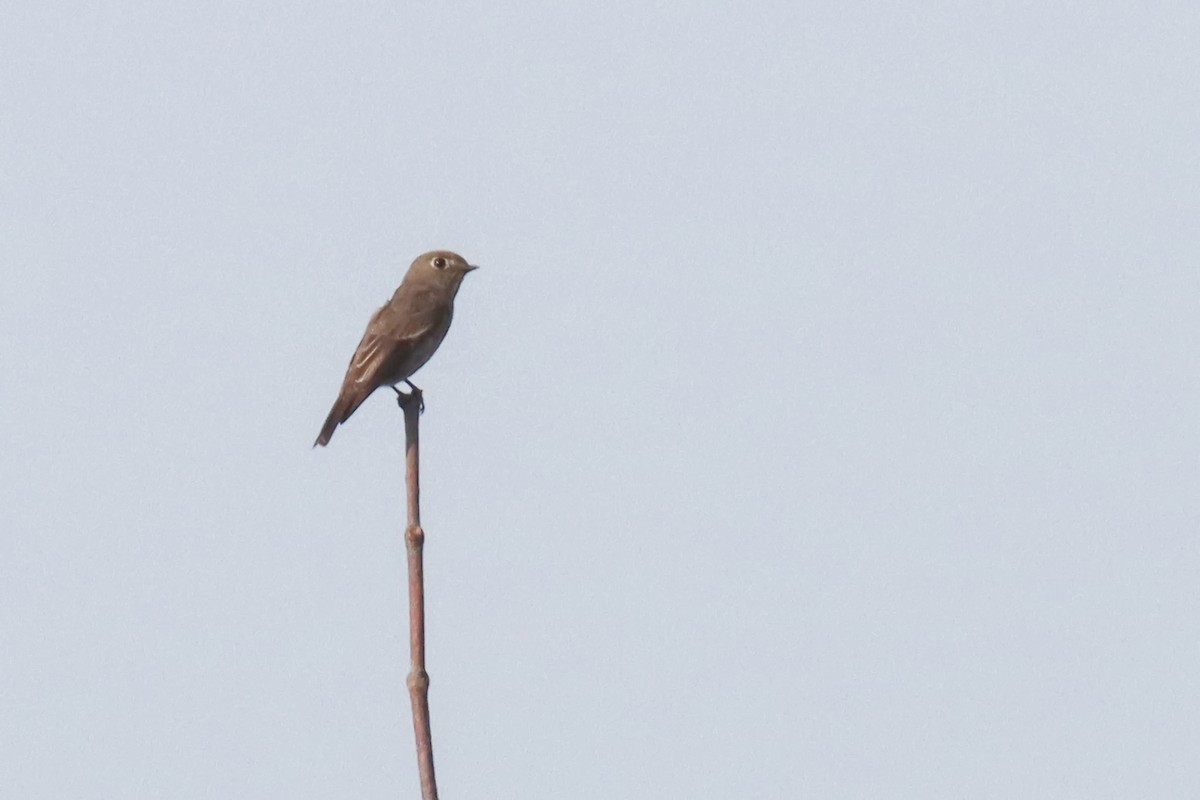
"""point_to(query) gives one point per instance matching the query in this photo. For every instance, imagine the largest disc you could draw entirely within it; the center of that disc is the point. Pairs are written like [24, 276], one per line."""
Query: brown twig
[414, 540]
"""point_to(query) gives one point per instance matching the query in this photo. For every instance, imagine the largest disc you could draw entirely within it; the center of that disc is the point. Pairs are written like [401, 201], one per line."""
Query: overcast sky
[822, 422]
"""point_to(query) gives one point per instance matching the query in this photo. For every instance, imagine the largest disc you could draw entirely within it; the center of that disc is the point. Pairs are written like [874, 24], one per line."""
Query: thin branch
[414, 541]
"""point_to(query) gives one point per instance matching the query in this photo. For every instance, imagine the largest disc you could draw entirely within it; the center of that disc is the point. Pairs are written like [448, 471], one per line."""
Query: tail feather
[331, 423]
[343, 407]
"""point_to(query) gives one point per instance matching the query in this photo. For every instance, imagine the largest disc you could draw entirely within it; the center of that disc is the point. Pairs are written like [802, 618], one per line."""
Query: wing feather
[392, 334]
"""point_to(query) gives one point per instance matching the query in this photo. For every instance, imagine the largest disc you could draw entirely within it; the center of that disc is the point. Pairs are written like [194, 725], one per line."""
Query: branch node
[418, 681]
[414, 536]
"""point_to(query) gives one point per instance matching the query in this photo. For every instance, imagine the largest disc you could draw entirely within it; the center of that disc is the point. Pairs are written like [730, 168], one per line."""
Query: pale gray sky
[823, 422]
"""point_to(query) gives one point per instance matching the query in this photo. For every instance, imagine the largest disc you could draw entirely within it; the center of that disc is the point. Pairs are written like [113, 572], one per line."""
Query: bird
[402, 334]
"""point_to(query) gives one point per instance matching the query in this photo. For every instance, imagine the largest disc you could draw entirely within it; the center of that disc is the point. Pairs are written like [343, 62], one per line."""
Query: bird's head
[440, 267]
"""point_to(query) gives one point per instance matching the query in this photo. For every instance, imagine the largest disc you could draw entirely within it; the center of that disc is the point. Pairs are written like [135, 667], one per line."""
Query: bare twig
[414, 540]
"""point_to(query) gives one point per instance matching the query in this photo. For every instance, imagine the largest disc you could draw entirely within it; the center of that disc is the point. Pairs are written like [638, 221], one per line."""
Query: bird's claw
[403, 399]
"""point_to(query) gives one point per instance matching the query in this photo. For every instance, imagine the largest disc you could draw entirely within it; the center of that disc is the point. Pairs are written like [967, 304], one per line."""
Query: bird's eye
[439, 263]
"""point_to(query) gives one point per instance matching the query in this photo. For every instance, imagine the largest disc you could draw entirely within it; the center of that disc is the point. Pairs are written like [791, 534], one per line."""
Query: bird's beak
[472, 267]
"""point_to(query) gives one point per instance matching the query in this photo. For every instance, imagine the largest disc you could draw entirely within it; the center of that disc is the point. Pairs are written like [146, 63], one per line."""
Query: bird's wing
[391, 334]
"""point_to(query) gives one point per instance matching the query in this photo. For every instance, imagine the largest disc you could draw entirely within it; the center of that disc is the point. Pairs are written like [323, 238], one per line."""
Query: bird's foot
[403, 399]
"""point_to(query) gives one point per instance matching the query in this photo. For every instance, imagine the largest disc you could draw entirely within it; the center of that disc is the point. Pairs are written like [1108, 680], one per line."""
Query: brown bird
[401, 335]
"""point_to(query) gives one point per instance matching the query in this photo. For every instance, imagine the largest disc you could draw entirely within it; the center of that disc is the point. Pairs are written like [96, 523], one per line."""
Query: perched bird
[401, 335]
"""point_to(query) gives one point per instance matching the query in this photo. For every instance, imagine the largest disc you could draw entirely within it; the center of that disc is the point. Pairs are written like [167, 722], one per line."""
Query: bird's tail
[343, 407]
[331, 423]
